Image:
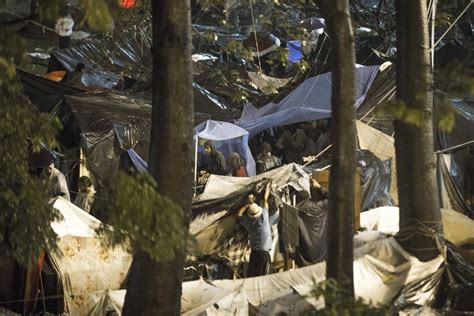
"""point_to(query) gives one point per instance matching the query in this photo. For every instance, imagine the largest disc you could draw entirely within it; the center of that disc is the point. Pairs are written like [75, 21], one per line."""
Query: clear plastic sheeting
[456, 144]
[108, 59]
[311, 100]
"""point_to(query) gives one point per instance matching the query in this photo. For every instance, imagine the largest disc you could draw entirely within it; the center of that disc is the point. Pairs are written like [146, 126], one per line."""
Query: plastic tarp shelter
[381, 269]
[311, 100]
[83, 264]
[36, 87]
[228, 138]
[457, 227]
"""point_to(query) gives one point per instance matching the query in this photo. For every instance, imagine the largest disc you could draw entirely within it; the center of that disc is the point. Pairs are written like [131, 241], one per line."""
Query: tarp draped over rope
[311, 100]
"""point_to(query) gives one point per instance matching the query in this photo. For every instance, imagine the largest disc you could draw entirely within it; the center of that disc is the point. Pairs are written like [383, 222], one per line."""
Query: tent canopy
[311, 100]
[229, 138]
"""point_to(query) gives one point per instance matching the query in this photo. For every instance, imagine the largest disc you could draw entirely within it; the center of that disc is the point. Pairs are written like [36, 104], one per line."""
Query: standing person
[63, 28]
[57, 183]
[266, 160]
[85, 196]
[215, 159]
[236, 165]
[255, 219]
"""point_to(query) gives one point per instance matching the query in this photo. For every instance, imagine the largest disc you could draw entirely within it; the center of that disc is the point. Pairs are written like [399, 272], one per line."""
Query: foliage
[25, 220]
[141, 217]
[337, 304]
[97, 14]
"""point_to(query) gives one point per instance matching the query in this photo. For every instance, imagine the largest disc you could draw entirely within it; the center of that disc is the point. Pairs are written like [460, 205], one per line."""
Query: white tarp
[220, 186]
[458, 228]
[75, 221]
[381, 268]
[84, 265]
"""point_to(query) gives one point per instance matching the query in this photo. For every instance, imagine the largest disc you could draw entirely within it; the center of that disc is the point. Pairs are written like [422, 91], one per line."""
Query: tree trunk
[418, 193]
[341, 187]
[154, 288]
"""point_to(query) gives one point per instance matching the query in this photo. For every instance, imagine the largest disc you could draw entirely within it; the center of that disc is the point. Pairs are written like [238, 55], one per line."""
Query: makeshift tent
[381, 269]
[82, 266]
[129, 56]
[36, 88]
[106, 125]
[311, 100]
[214, 225]
[228, 138]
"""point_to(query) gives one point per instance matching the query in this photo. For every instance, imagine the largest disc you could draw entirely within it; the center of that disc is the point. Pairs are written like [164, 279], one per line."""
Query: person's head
[266, 148]
[302, 196]
[235, 160]
[252, 197]
[300, 139]
[84, 184]
[254, 210]
[80, 67]
[49, 169]
[209, 147]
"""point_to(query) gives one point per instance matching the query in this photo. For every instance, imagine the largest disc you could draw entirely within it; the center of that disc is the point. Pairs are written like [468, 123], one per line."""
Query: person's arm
[267, 194]
[242, 210]
[221, 164]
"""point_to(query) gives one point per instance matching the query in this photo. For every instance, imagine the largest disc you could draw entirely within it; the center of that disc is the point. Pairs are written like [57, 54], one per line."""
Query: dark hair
[302, 195]
[85, 180]
[266, 146]
[80, 67]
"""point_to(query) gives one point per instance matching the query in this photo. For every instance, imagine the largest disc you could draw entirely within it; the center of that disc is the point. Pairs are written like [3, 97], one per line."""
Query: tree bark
[341, 187]
[417, 189]
[154, 288]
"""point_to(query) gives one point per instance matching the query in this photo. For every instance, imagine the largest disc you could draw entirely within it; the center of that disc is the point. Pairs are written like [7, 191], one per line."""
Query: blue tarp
[295, 51]
[138, 162]
[228, 138]
[311, 100]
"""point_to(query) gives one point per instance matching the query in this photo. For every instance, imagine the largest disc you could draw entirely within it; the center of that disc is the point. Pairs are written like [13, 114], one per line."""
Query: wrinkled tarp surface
[128, 54]
[382, 146]
[381, 269]
[463, 132]
[458, 228]
[228, 138]
[375, 177]
[83, 264]
[291, 174]
[36, 87]
[106, 124]
[311, 100]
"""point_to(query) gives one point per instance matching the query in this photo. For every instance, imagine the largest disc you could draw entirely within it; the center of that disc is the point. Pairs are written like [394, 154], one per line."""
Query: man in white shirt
[64, 26]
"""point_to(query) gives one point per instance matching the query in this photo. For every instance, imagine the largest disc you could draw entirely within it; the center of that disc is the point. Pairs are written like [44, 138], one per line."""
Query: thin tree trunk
[417, 189]
[154, 288]
[341, 187]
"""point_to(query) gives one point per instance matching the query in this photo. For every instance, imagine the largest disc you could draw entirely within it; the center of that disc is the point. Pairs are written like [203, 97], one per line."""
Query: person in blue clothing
[255, 219]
